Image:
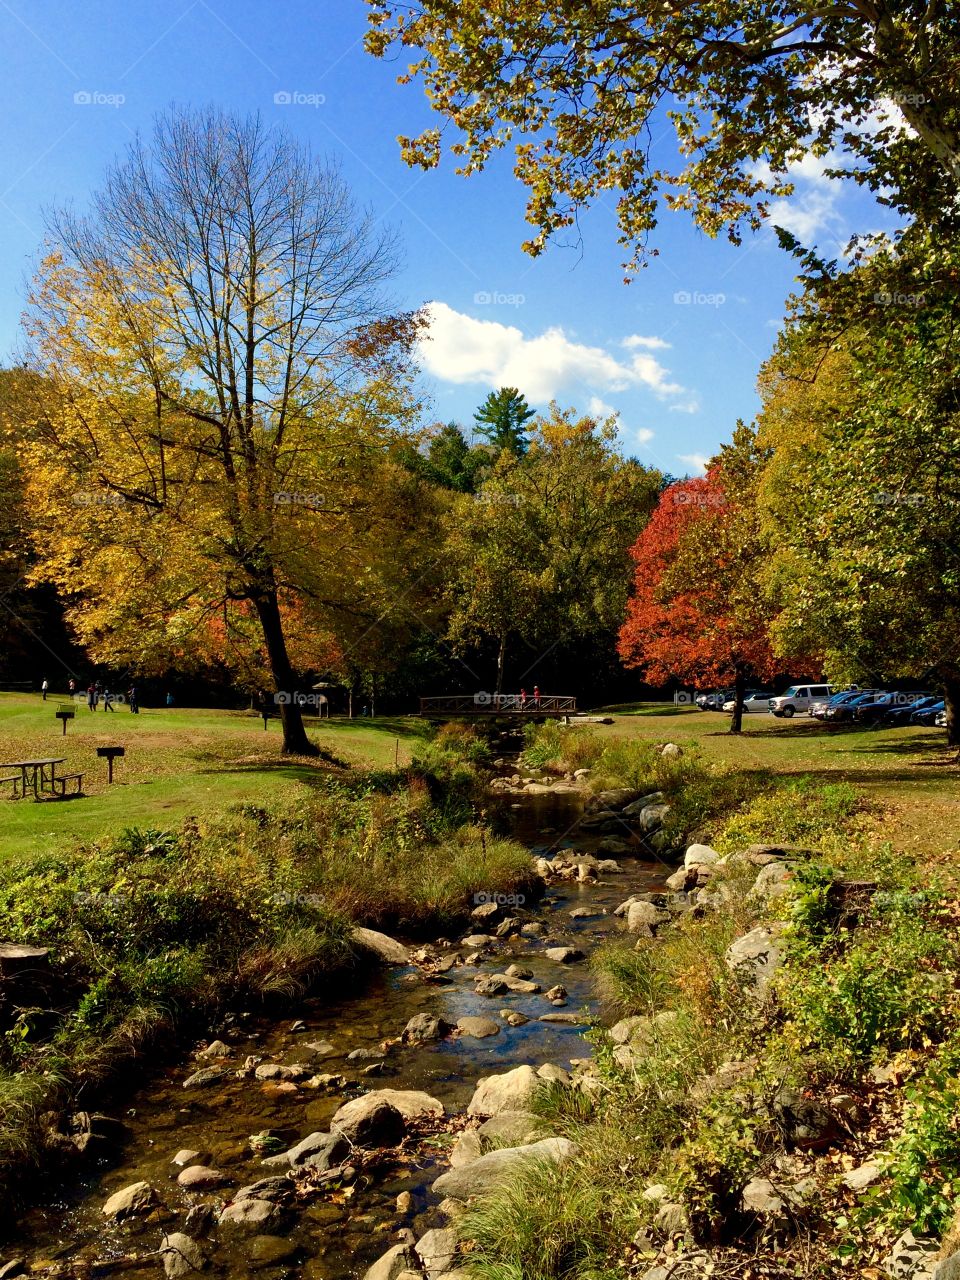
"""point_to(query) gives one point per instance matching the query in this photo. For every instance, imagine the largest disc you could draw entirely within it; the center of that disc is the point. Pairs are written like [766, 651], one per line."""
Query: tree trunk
[501, 659]
[951, 696]
[739, 688]
[295, 740]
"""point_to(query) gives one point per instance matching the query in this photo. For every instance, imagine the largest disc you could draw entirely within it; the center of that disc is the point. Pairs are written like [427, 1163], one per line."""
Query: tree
[749, 89]
[540, 555]
[697, 613]
[861, 492]
[501, 418]
[220, 386]
[449, 462]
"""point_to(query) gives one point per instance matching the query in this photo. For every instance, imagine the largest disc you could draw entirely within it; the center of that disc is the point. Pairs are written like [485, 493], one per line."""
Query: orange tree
[697, 613]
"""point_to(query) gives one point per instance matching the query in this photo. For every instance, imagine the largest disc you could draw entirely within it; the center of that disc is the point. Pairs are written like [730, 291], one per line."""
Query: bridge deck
[499, 704]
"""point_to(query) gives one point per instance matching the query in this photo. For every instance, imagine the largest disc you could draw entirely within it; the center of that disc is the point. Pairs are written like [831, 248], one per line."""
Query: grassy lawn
[908, 774]
[178, 762]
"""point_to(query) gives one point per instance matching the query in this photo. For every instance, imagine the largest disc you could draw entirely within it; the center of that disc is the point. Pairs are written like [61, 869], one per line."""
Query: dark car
[928, 715]
[894, 717]
[820, 710]
[847, 710]
[872, 712]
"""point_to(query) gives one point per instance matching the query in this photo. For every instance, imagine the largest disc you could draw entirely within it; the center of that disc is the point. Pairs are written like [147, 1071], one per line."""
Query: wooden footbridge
[516, 706]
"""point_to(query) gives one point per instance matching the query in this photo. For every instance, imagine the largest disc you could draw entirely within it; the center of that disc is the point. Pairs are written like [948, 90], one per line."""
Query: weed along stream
[207, 1165]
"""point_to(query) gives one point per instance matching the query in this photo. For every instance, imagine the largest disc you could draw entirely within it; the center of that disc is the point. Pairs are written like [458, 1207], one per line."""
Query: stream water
[340, 1233]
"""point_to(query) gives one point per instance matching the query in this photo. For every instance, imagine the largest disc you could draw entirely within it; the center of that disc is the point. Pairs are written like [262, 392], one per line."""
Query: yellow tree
[218, 412]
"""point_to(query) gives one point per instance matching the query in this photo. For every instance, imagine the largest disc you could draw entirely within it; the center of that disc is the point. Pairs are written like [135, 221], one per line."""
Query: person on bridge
[523, 699]
[536, 696]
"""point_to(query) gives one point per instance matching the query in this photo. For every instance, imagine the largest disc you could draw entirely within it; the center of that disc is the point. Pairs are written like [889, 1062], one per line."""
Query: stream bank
[257, 1087]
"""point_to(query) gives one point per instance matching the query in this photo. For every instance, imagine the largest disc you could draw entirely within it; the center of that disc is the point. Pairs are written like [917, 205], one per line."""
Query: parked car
[930, 715]
[848, 710]
[800, 697]
[753, 704]
[714, 701]
[872, 712]
[896, 716]
[819, 710]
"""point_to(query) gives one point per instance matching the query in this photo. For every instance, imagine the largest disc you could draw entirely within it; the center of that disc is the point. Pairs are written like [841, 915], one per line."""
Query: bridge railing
[498, 704]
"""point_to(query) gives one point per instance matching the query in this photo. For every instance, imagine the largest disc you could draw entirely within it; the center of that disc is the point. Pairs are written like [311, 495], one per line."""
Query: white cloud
[598, 408]
[697, 462]
[463, 350]
[652, 344]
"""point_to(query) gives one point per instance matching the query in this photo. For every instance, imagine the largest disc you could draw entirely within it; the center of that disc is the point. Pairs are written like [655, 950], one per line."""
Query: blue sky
[676, 352]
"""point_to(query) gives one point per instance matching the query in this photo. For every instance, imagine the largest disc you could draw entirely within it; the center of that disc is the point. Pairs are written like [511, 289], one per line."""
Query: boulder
[613, 844]
[375, 1124]
[250, 1217]
[478, 1028]
[754, 958]
[773, 881]
[181, 1254]
[642, 916]
[486, 913]
[379, 945]
[700, 855]
[492, 984]
[466, 1148]
[550, 1070]
[615, 798]
[185, 1156]
[510, 1091]
[318, 1150]
[136, 1198]
[205, 1077]
[652, 816]
[424, 1027]
[680, 881]
[513, 1018]
[436, 1250]
[805, 1121]
[216, 1049]
[863, 1176]
[563, 955]
[393, 1263]
[914, 1258]
[514, 1127]
[412, 1104]
[278, 1189]
[671, 750]
[637, 807]
[492, 1169]
[282, 1071]
[761, 1197]
[200, 1177]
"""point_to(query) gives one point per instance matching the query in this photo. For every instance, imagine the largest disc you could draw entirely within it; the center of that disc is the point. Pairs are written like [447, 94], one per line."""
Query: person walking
[536, 696]
[169, 699]
[71, 686]
[523, 699]
[108, 701]
[132, 699]
[92, 697]
[97, 693]
[44, 687]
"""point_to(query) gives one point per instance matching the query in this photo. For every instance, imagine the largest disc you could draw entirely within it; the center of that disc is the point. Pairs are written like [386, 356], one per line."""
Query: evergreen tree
[500, 419]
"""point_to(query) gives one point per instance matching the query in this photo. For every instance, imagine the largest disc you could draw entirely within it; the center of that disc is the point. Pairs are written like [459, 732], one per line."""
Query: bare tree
[244, 292]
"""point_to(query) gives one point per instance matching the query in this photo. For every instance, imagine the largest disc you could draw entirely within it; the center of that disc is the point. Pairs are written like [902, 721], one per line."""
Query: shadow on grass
[657, 709]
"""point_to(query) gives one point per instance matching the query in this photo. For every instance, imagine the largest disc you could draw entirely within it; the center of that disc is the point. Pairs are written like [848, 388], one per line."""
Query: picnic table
[39, 775]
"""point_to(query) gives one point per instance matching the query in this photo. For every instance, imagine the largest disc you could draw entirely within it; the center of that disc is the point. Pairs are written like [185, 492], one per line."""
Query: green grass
[907, 776]
[179, 762]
